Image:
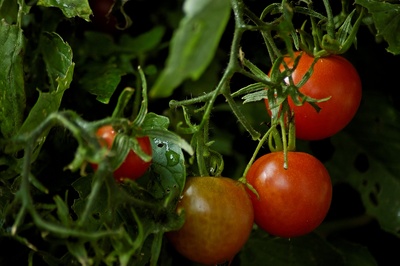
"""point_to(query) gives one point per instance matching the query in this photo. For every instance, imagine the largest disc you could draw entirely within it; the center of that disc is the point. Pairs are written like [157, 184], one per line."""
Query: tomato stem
[143, 106]
[292, 133]
[330, 27]
[257, 149]
[274, 140]
[284, 140]
[123, 101]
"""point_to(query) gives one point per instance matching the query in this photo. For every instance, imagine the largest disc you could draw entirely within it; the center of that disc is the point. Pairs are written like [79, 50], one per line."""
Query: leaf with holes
[308, 250]
[368, 159]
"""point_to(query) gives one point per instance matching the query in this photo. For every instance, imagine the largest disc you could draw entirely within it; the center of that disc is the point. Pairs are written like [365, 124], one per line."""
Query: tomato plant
[218, 220]
[133, 166]
[333, 76]
[190, 75]
[293, 201]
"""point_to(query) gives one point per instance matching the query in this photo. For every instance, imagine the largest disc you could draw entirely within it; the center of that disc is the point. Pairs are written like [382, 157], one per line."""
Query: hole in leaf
[96, 216]
[4, 168]
[377, 188]
[322, 149]
[373, 198]
[160, 145]
[20, 154]
[361, 163]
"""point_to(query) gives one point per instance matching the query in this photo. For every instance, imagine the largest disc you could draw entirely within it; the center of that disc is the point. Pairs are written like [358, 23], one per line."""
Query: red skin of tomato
[218, 220]
[334, 77]
[293, 201]
[101, 17]
[133, 167]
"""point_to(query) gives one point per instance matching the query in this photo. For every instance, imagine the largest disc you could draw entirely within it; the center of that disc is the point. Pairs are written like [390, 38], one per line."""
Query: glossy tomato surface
[133, 166]
[293, 201]
[333, 76]
[218, 220]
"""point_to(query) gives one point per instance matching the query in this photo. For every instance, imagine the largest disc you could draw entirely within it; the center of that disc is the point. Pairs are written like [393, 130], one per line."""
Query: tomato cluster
[219, 212]
[333, 77]
[287, 194]
[133, 166]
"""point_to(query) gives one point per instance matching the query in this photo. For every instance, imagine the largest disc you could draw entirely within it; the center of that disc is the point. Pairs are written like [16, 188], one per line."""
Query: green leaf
[193, 45]
[168, 172]
[70, 8]
[12, 96]
[386, 17]
[354, 254]
[102, 79]
[142, 43]
[308, 250]
[153, 120]
[368, 159]
[157, 126]
[58, 60]
[9, 11]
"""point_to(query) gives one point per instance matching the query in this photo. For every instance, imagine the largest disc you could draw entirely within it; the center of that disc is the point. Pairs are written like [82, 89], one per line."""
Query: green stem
[275, 141]
[123, 101]
[292, 133]
[201, 164]
[256, 151]
[203, 98]
[143, 106]
[330, 27]
[242, 119]
[315, 34]
[284, 140]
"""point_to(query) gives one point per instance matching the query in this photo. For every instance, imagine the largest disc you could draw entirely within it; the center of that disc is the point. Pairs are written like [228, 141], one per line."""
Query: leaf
[168, 172]
[59, 65]
[307, 250]
[354, 254]
[386, 17]
[368, 159]
[102, 79]
[70, 8]
[142, 43]
[193, 45]
[157, 126]
[9, 11]
[153, 120]
[12, 96]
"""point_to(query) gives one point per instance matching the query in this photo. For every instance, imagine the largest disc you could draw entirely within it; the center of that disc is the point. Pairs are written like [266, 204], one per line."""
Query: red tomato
[293, 201]
[333, 77]
[102, 17]
[218, 220]
[133, 167]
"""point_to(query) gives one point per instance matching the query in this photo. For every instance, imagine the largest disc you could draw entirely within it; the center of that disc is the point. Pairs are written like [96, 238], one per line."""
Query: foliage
[202, 64]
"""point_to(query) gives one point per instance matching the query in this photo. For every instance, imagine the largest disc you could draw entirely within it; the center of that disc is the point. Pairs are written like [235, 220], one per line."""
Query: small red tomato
[293, 201]
[133, 166]
[333, 76]
[102, 16]
[218, 220]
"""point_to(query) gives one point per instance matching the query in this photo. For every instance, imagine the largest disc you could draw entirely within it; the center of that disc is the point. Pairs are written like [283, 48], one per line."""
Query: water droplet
[172, 158]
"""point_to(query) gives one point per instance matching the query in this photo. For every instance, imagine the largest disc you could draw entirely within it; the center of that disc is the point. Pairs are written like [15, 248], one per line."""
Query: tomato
[133, 167]
[218, 220]
[293, 201]
[334, 77]
[102, 17]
